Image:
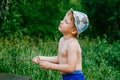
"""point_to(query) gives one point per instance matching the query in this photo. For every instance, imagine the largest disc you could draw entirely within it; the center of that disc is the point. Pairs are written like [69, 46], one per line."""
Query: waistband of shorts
[75, 72]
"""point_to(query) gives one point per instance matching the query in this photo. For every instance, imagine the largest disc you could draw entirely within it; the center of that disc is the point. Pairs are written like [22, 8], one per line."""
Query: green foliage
[10, 17]
[100, 59]
[17, 53]
[39, 17]
[35, 18]
[104, 17]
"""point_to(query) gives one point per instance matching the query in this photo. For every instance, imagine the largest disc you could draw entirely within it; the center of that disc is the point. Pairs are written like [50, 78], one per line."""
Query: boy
[69, 58]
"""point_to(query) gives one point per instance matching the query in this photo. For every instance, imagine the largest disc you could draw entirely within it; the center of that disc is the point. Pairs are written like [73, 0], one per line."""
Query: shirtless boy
[69, 58]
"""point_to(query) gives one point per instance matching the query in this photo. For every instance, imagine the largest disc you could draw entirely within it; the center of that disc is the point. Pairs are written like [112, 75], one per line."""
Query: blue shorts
[76, 75]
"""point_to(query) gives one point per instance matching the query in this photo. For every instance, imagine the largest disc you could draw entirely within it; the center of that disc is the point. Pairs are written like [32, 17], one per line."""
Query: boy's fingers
[41, 63]
[33, 59]
[36, 59]
[39, 58]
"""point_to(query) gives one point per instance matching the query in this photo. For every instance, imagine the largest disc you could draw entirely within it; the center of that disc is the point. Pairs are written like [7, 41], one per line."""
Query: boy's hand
[45, 64]
[36, 60]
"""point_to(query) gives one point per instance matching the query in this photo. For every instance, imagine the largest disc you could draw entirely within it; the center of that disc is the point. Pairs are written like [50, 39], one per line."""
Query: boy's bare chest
[63, 49]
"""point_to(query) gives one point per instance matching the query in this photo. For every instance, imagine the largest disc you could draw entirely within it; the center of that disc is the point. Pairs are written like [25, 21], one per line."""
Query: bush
[10, 18]
[35, 18]
[100, 59]
[104, 17]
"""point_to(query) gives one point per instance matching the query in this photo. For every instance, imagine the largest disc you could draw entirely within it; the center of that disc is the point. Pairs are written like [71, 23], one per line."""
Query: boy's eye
[66, 21]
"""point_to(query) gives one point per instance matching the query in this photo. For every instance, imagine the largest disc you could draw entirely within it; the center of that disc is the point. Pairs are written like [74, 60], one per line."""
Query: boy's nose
[61, 22]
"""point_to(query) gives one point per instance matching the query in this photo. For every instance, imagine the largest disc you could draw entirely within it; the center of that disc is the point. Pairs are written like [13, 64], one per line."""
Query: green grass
[101, 60]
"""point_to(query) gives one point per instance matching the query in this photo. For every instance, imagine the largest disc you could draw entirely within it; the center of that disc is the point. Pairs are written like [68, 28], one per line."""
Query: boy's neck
[67, 37]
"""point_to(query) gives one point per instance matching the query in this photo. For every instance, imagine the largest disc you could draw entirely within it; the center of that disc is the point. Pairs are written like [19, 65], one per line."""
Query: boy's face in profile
[67, 24]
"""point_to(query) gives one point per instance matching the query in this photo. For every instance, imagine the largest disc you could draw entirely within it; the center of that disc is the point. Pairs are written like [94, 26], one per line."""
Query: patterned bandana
[80, 20]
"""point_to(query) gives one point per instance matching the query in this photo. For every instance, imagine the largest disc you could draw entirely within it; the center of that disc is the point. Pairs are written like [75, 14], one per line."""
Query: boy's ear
[74, 31]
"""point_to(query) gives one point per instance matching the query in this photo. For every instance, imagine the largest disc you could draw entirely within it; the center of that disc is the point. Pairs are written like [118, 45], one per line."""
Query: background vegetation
[40, 18]
[29, 28]
[104, 17]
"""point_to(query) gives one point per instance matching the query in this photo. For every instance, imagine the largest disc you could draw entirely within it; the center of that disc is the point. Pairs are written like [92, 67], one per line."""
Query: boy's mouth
[60, 26]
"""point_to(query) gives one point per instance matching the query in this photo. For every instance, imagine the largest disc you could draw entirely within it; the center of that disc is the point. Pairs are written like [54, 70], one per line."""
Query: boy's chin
[59, 29]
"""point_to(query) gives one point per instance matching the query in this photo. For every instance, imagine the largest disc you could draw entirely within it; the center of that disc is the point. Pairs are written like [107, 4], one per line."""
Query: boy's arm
[68, 67]
[53, 59]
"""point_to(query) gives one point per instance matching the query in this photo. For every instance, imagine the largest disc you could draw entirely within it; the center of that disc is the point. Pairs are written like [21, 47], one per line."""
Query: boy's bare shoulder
[74, 42]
